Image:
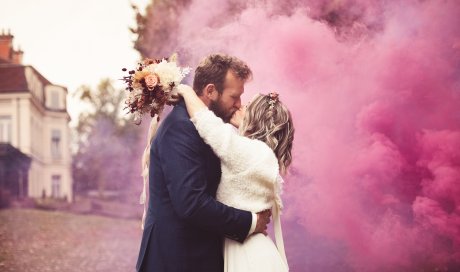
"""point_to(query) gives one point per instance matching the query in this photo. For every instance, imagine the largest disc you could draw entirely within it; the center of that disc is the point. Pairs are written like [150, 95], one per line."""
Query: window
[56, 186]
[5, 129]
[56, 144]
[55, 100]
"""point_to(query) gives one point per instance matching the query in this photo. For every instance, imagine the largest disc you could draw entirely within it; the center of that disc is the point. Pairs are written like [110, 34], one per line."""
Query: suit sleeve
[185, 171]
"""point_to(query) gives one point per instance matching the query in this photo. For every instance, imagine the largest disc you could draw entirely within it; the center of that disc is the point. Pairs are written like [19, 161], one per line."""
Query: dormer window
[55, 100]
[55, 97]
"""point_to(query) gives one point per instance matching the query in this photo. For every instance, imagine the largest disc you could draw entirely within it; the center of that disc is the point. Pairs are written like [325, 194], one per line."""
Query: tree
[108, 144]
[157, 29]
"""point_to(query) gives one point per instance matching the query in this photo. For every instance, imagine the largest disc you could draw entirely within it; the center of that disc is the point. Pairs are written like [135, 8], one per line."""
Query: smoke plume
[374, 89]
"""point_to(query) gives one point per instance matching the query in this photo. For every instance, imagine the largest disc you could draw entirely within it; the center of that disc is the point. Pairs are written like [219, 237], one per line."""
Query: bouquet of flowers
[150, 85]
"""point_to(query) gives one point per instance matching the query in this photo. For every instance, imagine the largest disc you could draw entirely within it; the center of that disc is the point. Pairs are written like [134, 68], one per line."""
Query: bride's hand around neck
[192, 101]
[237, 117]
[184, 89]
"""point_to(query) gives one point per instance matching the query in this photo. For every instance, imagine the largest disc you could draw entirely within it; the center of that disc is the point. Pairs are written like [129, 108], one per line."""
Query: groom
[185, 224]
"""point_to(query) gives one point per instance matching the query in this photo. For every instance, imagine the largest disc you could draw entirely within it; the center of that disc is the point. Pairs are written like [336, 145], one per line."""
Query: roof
[13, 78]
[12, 154]
[41, 77]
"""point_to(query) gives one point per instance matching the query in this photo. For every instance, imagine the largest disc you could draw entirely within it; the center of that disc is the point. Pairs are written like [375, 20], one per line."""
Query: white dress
[250, 181]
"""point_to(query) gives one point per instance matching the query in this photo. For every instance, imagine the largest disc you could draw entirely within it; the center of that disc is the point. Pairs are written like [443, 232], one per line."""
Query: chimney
[17, 56]
[6, 45]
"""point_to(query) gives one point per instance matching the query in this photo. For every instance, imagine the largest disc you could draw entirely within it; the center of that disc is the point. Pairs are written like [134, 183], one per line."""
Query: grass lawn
[35, 240]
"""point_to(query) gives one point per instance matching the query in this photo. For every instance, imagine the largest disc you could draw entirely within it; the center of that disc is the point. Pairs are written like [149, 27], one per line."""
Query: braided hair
[268, 120]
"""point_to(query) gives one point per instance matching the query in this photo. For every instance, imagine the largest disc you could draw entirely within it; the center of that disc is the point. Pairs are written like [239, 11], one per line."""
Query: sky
[73, 43]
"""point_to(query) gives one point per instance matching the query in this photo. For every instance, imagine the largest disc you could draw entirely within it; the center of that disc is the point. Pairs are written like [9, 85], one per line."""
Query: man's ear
[210, 92]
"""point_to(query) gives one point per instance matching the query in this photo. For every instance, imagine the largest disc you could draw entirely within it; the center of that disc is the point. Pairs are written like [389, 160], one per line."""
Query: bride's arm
[192, 101]
[232, 148]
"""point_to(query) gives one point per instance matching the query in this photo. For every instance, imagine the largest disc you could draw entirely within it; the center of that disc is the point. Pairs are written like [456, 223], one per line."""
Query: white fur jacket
[250, 171]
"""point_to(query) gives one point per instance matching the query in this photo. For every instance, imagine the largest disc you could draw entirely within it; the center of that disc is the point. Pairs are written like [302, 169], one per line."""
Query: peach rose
[151, 81]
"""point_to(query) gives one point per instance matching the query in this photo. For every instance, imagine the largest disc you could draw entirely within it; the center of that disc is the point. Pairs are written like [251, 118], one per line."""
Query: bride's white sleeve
[233, 149]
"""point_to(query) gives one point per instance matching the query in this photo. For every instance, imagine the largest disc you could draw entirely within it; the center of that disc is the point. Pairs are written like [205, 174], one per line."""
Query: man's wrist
[253, 225]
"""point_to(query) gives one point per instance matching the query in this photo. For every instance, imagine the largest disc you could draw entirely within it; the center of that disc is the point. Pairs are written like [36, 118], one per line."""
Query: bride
[253, 160]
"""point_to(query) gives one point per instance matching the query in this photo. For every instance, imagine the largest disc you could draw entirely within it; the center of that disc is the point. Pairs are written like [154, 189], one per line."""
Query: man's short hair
[214, 68]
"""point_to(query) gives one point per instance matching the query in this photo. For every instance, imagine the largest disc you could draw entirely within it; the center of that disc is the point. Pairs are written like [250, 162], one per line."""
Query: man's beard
[219, 111]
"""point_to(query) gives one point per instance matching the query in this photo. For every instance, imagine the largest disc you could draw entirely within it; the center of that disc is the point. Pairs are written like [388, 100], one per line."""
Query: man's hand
[174, 98]
[178, 93]
[263, 218]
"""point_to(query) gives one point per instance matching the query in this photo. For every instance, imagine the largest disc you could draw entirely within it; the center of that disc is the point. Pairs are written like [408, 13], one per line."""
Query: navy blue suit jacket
[185, 225]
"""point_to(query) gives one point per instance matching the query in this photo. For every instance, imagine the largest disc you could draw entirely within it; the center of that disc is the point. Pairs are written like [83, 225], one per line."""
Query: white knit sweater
[250, 171]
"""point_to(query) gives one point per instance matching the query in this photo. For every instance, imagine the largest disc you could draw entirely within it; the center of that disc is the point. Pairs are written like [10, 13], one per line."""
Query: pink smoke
[374, 88]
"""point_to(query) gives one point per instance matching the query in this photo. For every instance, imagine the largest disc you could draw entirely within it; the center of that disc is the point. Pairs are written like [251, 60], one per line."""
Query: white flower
[169, 72]
[134, 95]
[150, 68]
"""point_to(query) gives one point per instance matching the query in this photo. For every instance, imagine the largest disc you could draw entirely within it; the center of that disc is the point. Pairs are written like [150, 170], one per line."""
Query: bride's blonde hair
[268, 120]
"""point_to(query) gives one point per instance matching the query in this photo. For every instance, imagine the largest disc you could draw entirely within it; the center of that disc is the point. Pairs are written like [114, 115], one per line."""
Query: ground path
[35, 240]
